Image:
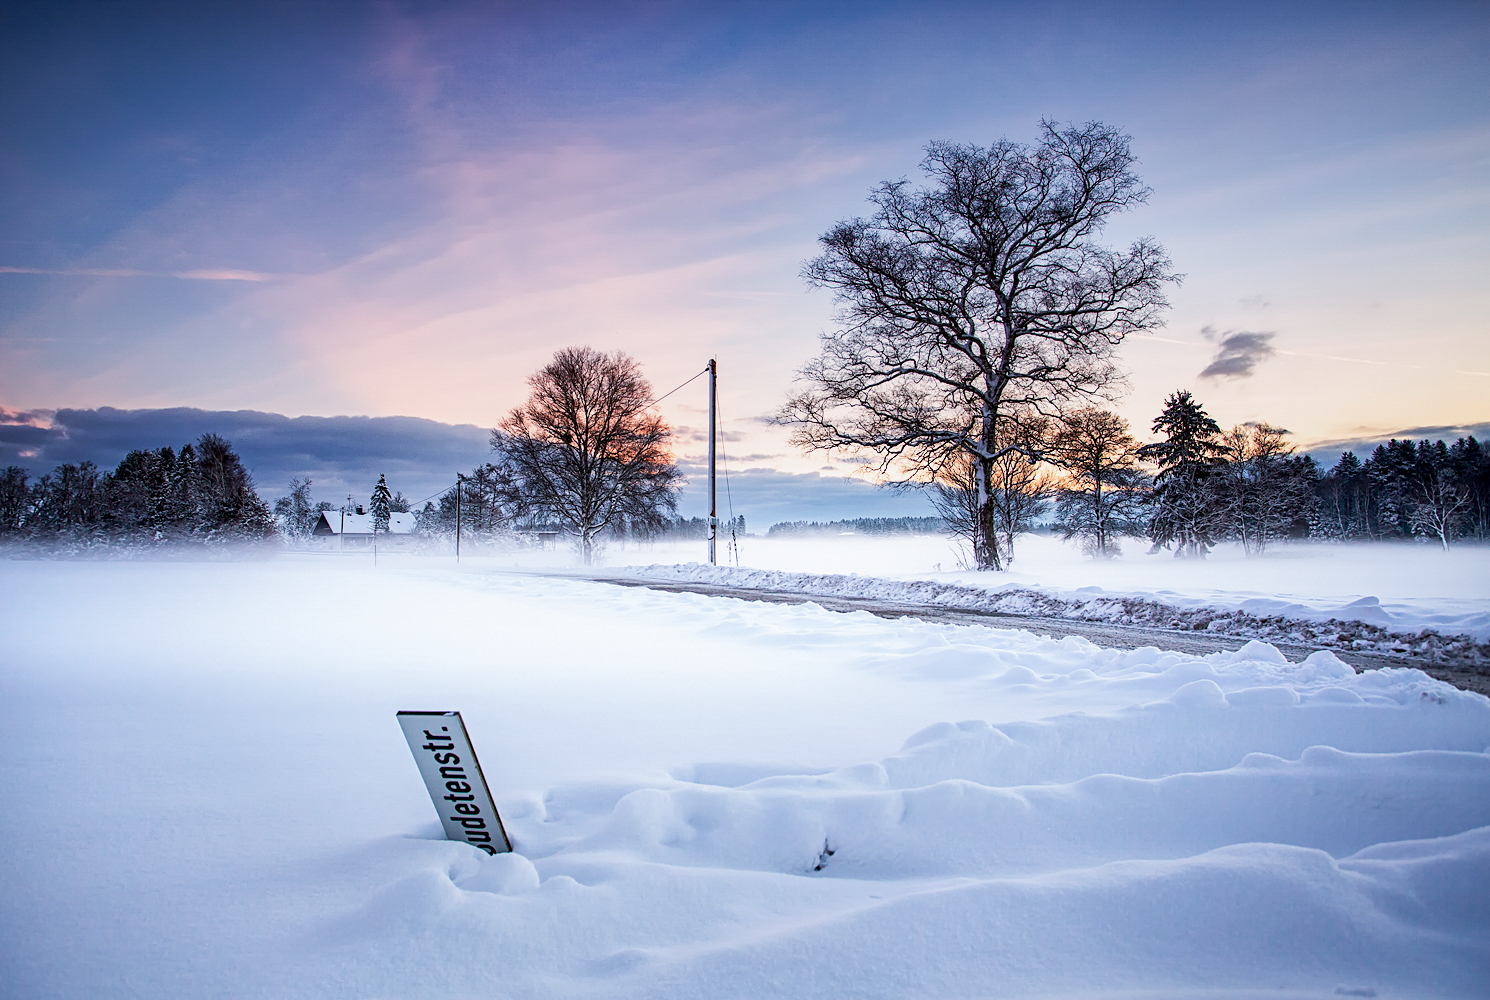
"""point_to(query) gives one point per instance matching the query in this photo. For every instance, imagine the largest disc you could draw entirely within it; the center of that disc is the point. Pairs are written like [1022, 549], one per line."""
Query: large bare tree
[586, 449]
[975, 301]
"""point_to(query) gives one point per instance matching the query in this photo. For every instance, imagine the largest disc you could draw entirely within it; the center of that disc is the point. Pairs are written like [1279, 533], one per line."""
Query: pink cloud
[207, 274]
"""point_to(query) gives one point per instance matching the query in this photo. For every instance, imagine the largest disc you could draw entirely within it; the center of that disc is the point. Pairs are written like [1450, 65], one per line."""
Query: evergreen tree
[379, 505]
[1392, 470]
[1186, 512]
[132, 493]
[1345, 500]
[1470, 464]
[158, 503]
[150, 497]
[400, 504]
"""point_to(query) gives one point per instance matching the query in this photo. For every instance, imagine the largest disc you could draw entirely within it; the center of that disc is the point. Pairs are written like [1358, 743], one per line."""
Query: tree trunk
[986, 541]
[1099, 523]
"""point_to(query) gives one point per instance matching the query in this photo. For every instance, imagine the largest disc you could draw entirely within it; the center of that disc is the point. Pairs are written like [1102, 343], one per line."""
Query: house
[354, 530]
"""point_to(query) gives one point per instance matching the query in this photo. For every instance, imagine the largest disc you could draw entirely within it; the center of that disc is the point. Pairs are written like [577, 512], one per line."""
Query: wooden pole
[458, 480]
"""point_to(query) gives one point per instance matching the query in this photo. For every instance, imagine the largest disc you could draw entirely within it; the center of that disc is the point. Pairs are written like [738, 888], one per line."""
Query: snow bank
[1343, 628]
[207, 794]
[1398, 588]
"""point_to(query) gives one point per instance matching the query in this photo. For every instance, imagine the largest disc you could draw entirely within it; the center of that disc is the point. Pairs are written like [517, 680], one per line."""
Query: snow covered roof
[361, 524]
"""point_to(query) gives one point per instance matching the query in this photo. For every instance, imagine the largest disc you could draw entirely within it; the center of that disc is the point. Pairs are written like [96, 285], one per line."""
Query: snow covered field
[206, 794]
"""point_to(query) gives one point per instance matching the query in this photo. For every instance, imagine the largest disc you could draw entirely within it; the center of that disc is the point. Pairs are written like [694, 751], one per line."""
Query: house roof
[361, 524]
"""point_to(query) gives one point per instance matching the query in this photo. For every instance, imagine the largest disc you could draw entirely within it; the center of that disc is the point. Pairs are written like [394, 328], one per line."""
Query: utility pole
[458, 480]
[713, 496]
[344, 523]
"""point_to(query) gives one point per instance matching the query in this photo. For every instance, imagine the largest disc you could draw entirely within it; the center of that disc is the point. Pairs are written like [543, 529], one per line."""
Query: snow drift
[207, 795]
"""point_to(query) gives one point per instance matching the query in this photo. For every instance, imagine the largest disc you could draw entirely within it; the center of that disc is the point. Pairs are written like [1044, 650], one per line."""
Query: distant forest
[861, 526]
[1405, 490]
[199, 496]
[202, 495]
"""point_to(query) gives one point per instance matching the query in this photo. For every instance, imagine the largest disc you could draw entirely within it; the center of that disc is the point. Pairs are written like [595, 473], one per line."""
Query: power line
[671, 391]
[729, 497]
[437, 493]
[454, 485]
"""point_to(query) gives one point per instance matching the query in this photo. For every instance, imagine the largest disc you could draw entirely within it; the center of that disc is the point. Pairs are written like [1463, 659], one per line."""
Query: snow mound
[1179, 836]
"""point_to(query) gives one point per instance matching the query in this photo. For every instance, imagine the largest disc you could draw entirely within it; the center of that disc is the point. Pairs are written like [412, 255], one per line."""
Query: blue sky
[402, 209]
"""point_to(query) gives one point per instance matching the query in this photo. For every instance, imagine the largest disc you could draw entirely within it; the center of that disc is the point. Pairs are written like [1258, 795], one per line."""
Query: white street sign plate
[453, 776]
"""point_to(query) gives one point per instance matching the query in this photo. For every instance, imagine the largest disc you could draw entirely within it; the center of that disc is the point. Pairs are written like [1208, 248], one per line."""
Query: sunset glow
[343, 209]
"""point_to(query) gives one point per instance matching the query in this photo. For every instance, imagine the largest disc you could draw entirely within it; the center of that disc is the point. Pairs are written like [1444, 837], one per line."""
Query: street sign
[453, 776]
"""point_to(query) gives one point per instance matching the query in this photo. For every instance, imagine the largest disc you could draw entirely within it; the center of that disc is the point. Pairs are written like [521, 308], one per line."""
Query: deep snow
[206, 794]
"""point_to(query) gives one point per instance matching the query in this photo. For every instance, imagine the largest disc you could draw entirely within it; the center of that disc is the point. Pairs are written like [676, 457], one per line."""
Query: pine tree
[379, 505]
[1391, 470]
[1345, 500]
[1186, 513]
[1471, 469]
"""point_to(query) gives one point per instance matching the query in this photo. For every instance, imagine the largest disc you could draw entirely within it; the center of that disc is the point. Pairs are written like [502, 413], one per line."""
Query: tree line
[201, 495]
[860, 526]
[1198, 485]
[586, 455]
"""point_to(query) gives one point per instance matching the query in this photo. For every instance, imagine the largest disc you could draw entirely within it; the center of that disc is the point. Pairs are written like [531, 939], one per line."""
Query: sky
[337, 210]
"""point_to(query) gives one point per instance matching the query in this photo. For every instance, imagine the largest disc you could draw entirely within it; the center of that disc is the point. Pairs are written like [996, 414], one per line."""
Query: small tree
[975, 301]
[1104, 495]
[298, 511]
[379, 505]
[1437, 509]
[585, 450]
[1020, 494]
[1264, 490]
[1437, 504]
